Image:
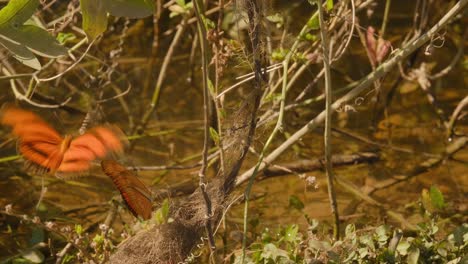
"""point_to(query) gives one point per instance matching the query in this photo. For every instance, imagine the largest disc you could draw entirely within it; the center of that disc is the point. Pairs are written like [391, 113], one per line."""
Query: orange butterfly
[135, 193]
[47, 151]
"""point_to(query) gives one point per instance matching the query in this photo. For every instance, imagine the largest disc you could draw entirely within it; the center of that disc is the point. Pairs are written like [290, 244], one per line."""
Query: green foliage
[214, 135]
[432, 200]
[129, 8]
[313, 22]
[437, 198]
[329, 5]
[94, 17]
[65, 37]
[279, 54]
[289, 245]
[95, 13]
[161, 215]
[296, 203]
[21, 39]
[277, 19]
[180, 8]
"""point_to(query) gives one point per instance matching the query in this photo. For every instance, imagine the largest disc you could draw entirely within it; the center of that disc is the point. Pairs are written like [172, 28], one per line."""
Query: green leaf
[16, 12]
[296, 203]
[94, 17]
[413, 256]
[129, 8]
[209, 24]
[214, 135]
[33, 255]
[314, 22]
[21, 53]
[161, 215]
[403, 247]
[37, 236]
[211, 86]
[437, 199]
[350, 231]
[329, 5]
[276, 18]
[291, 233]
[65, 37]
[271, 252]
[36, 39]
[79, 230]
[176, 10]
[458, 235]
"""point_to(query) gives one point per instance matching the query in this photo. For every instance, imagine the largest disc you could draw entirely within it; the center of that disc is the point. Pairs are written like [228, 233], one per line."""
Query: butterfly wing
[98, 142]
[134, 192]
[38, 142]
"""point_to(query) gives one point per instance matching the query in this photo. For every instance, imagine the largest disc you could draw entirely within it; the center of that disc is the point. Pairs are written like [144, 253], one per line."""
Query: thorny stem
[328, 120]
[206, 114]
[365, 82]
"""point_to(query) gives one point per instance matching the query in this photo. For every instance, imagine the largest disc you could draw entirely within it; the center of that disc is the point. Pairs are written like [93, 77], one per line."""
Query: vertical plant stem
[385, 18]
[162, 73]
[328, 120]
[154, 48]
[253, 13]
[279, 122]
[218, 101]
[206, 115]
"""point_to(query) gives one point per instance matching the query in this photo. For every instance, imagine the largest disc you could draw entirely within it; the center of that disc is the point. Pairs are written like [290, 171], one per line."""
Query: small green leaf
[291, 233]
[63, 38]
[271, 252]
[329, 5]
[21, 53]
[403, 247]
[129, 8]
[413, 256]
[276, 18]
[314, 22]
[350, 231]
[79, 230]
[37, 40]
[37, 236]
[161, 215]
[98, 239]
[437, 198]
[296, 203]
[176, 10]
[16, 12]
[33, 255]
[94, 17]
[209, 24]
[458, 235]
[211, 86]
[214, 135]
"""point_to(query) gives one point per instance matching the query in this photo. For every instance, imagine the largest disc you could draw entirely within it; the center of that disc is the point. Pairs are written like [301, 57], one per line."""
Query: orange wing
[134, 192]
[46, 151]
[38, 142]
[98, 142]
